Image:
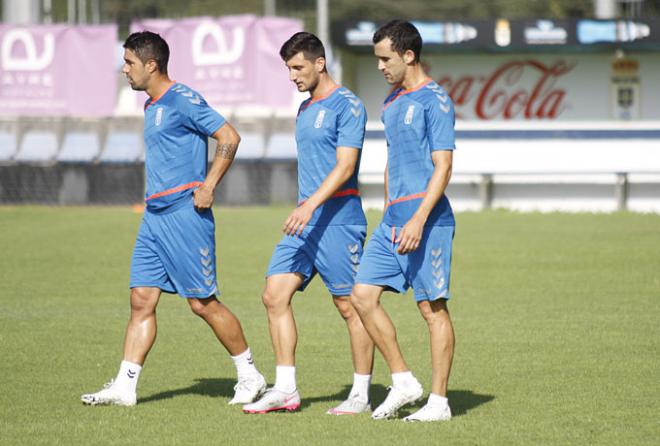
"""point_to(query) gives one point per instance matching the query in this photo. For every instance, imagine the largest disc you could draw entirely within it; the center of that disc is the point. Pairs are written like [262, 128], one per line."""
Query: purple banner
[58, 70]
[232, 60]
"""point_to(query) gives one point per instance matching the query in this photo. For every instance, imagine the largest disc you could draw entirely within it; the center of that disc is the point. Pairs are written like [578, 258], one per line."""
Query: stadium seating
[122, 147]
[281, 145]
[38, 146]
[7, 145]
[80, 146]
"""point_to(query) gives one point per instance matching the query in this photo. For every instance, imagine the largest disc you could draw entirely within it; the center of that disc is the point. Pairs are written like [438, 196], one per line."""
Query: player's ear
[152, 66]
[319, 64]
[409, 57]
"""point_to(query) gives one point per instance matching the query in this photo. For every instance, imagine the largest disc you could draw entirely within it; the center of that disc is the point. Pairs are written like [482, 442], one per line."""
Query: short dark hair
[147, 45]
[310, 45]
[404, 37]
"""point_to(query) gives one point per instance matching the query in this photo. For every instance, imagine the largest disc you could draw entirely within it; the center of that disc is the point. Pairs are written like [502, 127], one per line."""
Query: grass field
[557, 320]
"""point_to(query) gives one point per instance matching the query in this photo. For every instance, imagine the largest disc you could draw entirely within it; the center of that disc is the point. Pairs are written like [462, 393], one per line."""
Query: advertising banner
[58, 70]
[524, 87]
[232, 60]
[515, 35]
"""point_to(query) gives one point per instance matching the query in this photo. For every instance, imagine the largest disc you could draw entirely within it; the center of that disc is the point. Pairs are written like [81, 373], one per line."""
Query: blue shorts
[426, 269]
[332, 251]
[175, 251]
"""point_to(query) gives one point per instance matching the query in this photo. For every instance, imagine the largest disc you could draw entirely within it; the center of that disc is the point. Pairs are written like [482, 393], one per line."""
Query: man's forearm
[434, 190]
[332, 183]
[224, 156]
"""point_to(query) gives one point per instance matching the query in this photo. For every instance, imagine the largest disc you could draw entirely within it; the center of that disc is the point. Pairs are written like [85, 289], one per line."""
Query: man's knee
[344, 307]
[201, 307]
[144, 300]
[434, 312]
[274, 300]
[363, 299]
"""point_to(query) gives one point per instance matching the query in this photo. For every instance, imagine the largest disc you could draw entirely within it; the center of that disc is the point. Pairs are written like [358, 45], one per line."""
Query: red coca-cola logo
[518, 89]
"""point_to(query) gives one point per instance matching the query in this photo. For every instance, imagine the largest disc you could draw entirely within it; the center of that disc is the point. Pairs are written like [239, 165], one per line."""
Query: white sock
[127, 378]
[244, 364]
[403, 378]
[361, 386]
[285, 378]
[436, 400]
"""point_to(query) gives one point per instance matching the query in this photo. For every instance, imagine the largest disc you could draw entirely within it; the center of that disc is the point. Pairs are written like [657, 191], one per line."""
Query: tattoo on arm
[226, 150]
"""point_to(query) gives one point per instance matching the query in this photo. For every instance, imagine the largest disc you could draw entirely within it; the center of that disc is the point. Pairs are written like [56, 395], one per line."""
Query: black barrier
[247, 183]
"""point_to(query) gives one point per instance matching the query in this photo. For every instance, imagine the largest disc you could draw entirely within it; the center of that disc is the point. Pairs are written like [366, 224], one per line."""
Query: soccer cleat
[430, 413]
[274, 400]
[353, 405]
[398, 397]
[248, 389]
[108, 396]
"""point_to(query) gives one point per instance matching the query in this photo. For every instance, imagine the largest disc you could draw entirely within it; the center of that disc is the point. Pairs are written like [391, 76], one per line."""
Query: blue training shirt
[176, 130]
[417, 122]
[322, 125]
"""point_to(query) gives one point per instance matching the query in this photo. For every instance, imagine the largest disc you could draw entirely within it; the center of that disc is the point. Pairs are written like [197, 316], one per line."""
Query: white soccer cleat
[430, 413]
[248, 389]
[109, 396]
[274, 400]
[398, 397]
[352, 406]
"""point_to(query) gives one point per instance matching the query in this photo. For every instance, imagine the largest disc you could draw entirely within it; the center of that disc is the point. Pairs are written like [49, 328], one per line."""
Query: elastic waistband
[180, 203]
[174, 190]
[406, 198]
[341, 193]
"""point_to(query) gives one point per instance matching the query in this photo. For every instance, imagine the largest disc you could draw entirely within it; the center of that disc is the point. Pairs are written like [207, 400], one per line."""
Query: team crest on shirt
[319, 119]
[409, 115]
[159, 116]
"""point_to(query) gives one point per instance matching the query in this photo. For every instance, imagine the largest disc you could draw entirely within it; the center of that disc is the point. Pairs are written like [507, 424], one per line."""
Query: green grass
[557, 320]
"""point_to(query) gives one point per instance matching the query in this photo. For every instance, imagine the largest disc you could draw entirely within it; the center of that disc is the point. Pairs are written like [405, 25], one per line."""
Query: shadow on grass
[461, 401]
[213, 387]
[377, 391]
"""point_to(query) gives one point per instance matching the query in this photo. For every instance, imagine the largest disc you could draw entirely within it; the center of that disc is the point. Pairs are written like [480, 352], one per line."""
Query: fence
[560, 166]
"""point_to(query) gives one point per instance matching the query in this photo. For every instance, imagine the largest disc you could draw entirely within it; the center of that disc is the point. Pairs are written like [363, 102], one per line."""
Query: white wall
[600, 168]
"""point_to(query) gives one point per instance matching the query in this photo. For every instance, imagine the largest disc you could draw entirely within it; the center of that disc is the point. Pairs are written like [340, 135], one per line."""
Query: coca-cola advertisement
[518, 89]
[523, 87]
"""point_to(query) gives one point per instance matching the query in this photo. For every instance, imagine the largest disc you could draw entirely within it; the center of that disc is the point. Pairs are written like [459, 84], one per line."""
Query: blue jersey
[323, 124]
[417, 122]
[176, 130]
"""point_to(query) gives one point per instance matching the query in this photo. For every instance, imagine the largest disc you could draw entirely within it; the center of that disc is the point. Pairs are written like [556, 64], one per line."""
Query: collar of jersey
[311, 101]
[153, 101]
[401, 92]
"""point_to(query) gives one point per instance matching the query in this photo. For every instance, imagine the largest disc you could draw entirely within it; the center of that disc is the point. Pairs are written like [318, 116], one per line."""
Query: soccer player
[412, 245]
[175, 247]
[326, 232]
